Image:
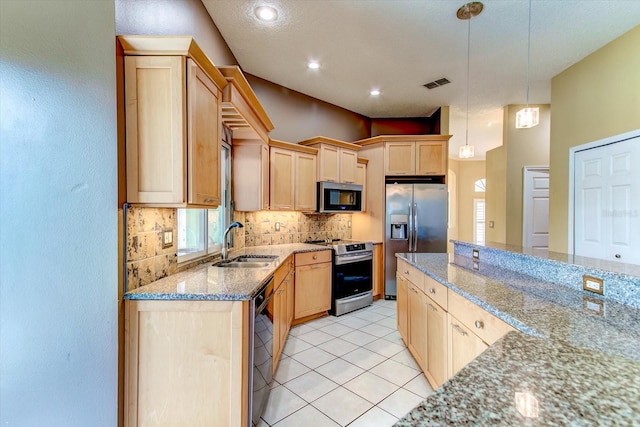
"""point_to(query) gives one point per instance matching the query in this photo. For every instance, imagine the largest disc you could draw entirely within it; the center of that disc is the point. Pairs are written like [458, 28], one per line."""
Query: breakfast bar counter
[574, 358]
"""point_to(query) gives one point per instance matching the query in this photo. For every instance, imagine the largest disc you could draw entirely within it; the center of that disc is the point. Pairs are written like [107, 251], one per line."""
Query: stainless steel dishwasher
[261, 357]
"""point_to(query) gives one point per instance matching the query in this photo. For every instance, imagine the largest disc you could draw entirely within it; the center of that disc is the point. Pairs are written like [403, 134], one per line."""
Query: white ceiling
[399, 45]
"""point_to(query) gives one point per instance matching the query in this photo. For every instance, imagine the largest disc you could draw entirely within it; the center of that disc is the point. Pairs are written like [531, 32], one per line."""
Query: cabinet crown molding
[390, 138]
[329, 141]
[292, 146]
[172, 46]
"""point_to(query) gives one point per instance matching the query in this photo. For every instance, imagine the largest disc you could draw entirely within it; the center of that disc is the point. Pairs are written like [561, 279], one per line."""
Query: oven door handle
[348, 259]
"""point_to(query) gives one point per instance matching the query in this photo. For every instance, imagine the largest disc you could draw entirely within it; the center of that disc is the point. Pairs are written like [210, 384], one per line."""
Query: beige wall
[496, 195]
[468, 172]
[596, 98]
[525, 147]
[297, 116]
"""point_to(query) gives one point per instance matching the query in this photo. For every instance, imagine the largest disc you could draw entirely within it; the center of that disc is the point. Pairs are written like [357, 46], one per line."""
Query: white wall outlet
[593, 284]
[167, 238]
[476, 254]
[349, 224]
[277, 226]
[593, 305]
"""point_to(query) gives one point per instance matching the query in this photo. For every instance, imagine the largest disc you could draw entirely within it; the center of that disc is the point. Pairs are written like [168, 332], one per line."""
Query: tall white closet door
[607, 202]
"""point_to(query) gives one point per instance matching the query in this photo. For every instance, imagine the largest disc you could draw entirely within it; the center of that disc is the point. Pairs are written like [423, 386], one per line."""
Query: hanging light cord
[466, 138]
[528, 53]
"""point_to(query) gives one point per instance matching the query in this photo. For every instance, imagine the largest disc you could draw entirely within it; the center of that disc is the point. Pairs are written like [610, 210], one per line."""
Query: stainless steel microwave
[337, 198]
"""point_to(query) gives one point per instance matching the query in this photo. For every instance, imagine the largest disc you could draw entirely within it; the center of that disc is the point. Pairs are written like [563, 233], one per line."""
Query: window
[478, 221]
[200, 230]
[480, 186]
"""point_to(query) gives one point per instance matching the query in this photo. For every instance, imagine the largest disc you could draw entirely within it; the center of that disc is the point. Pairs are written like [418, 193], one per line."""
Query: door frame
[572, 152]
[526, 190]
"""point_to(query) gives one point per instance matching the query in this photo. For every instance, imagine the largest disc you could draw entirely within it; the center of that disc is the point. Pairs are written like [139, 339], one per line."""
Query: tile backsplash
[294, 227]
[147, 261]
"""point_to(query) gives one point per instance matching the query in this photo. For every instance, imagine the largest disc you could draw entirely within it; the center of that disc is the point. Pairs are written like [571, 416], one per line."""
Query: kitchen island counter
[206, 282]
[567, 363]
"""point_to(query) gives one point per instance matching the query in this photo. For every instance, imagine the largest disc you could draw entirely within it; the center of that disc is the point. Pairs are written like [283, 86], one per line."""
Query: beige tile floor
[352, 370]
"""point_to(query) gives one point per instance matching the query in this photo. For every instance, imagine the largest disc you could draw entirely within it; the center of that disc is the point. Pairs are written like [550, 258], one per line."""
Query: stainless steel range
[352, 284]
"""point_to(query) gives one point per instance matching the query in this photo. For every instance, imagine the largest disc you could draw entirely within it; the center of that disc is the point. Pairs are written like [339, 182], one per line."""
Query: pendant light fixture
[467, 12]
[528, 117]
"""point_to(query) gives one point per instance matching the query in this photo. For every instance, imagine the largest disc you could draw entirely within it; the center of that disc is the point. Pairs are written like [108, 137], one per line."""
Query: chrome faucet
[225, 250]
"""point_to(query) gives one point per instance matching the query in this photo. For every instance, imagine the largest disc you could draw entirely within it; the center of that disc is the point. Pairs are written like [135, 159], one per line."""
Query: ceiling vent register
[437, 83]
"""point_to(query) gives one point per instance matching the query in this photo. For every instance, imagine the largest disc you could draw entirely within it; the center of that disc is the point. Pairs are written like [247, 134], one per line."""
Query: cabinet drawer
[485, 325]
[282, 272]
[411, 273]
[316, 257]
[436, 291]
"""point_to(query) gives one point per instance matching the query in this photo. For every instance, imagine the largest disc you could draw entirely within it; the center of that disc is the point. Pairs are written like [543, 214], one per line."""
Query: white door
[535, 207]
[607, 202]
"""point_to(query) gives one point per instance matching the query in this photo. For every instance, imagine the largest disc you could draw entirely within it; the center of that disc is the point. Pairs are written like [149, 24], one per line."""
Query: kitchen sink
[247, 261]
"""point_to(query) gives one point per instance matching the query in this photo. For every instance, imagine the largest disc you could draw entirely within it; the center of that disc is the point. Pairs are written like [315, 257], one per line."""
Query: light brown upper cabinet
[416, 157]
[361, 179]
[292, 176]
[250, 125]
[172, 121]
[250, 174]
[337, 160]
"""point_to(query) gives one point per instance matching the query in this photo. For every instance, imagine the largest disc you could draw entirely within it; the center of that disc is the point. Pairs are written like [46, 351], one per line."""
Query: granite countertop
[572, 364]
[206, 282]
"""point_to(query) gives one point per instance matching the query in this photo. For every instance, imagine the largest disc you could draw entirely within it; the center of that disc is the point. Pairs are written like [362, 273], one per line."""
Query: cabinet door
[276, 312]
[436, 344]
[281, 179]
[312, 289]
[361, 179]
[155, 129]
[402, 305]
[378, 270]
[305, 182]
[399, 158]
[464, 345]
[290, 299]
[348, 166]
[203, 138]
[431, 158]
[417, 325]
[264, 184]
[329, 164]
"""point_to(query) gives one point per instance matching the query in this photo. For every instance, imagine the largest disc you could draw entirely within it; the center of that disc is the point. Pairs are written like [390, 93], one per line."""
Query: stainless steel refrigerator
[416, 221]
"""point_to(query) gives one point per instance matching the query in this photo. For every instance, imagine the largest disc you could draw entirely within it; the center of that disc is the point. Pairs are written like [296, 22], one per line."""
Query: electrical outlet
[277, 226]
[349, 224]
[476, 254]
[593, 284]
[593, 305]
[167, 238]
[476, 265]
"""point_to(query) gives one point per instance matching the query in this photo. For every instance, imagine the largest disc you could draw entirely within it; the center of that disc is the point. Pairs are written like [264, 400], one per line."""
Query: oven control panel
[355, 247]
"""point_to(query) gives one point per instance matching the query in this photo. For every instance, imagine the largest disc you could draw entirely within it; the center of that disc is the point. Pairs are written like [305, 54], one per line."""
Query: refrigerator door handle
[415, 227]
[410, 228]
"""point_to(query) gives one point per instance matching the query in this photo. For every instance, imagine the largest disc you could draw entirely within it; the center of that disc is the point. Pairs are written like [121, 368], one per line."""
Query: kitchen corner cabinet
[312, 284]
[172, 120]
[420, 157]
[292, 177]
[186, 362]
[250, 175]
[337, 160]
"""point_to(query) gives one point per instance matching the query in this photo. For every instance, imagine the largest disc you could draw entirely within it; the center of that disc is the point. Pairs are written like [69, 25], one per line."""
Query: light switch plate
[593, 284]
[167, 238]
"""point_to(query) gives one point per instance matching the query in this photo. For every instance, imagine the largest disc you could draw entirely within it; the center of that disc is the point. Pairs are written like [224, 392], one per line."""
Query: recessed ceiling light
[266, 13]
[314, 65]
[374, 92]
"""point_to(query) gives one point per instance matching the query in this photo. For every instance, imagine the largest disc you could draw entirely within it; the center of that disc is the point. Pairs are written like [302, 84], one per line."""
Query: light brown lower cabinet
[312, 284]
[443, 330]
[186, 362]
[464, 345]
[378, 271]
[281, 307]
[402, 304]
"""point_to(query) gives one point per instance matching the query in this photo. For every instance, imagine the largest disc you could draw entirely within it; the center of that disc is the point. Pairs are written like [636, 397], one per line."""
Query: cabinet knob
[479, 324]
[315, 257]
[618, 256]
[432, 291]
[406, 272]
